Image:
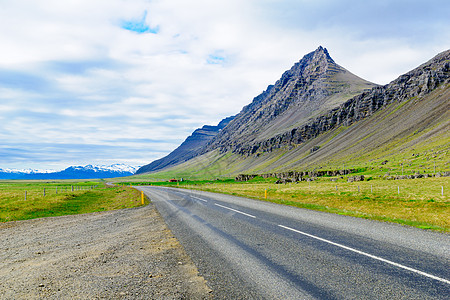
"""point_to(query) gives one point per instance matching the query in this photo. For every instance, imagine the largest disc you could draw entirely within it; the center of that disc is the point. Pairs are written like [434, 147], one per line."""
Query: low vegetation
[423, 203]
[22, 200]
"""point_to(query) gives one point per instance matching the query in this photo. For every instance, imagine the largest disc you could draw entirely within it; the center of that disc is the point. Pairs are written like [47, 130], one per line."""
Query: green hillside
[401, 128]
[412, 135]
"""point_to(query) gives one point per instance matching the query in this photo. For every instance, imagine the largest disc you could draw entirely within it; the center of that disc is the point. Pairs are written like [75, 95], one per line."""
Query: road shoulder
[119, 254]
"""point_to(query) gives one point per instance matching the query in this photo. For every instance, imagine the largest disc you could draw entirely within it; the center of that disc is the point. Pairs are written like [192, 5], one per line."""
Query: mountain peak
[321, 50]
[322, 54]
[315, 63]
[314, 85]
[313, 66]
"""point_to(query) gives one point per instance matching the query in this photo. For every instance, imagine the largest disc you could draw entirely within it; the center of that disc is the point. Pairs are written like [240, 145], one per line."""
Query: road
[248, 249]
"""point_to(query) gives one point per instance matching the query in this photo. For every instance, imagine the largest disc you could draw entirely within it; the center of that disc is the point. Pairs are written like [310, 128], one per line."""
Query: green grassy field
[413, 202]
[22, 200]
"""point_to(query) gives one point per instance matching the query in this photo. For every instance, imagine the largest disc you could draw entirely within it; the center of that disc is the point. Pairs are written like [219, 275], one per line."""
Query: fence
[46, 191]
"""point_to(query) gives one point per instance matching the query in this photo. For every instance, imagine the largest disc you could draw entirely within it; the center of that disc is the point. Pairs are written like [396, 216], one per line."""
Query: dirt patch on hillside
[123, 254]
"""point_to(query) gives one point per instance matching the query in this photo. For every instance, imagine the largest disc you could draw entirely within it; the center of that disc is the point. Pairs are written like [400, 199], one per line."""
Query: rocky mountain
[73, 172]
[310, 88]
[416, 83]
[410, 114]
[188, 149]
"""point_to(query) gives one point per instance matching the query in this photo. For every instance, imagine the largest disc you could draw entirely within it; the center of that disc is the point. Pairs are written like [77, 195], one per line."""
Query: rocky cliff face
[417, 83]
[188, 149]
[311, 87]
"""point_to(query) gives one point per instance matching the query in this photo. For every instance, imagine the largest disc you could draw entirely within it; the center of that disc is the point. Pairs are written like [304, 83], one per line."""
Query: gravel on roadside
[122, 254]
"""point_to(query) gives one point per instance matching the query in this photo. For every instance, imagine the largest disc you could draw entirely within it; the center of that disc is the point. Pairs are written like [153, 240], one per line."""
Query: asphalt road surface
[248, 249]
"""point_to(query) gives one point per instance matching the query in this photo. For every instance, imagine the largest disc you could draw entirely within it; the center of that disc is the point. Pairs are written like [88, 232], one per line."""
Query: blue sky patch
[216, 58]
[139, 26]
[23, 81]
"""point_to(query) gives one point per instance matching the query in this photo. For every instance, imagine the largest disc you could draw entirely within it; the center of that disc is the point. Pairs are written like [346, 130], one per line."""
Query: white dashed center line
[235, 210]
[199, 199]
[368, 255]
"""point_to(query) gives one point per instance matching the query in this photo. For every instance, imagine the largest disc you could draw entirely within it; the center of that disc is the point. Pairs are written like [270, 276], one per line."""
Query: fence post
[25, 195]
[56, 190]
[44, 192]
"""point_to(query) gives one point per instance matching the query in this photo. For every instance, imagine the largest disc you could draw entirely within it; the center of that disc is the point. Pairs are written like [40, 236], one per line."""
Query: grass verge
[26, 200]
[414, 202]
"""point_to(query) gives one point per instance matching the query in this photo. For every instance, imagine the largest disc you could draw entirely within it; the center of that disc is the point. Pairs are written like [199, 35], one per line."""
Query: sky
[126, 81]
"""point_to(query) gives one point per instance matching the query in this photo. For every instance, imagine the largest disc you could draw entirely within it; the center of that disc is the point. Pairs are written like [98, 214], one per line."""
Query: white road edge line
[368, 255]
[235, 210]
[199, 199]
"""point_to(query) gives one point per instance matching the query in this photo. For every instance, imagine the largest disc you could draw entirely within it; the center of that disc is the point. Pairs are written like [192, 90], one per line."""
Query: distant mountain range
[319, 115]
[73, 172]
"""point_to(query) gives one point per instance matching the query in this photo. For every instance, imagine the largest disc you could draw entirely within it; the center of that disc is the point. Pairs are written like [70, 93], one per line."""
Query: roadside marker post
[142, 197]
[265, 194]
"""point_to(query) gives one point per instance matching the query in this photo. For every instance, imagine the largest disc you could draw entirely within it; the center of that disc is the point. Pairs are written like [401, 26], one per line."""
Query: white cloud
[71, 74]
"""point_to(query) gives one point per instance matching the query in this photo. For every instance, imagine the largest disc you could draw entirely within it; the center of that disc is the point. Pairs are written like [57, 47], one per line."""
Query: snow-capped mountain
[103, 168]
[73, 172]
[26, 171]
